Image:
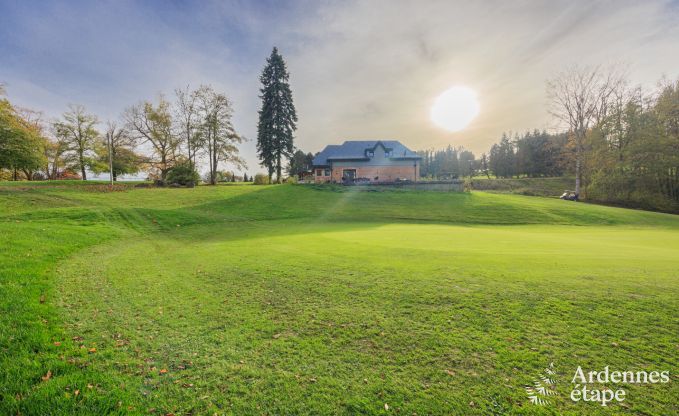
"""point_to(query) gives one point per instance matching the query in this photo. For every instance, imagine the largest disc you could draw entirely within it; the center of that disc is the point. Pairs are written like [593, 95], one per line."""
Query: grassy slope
[289, 299]
[550, 187]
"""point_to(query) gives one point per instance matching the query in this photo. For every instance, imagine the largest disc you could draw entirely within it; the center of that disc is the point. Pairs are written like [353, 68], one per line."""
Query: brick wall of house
[374, 173]
[380, 173]
[322, 178]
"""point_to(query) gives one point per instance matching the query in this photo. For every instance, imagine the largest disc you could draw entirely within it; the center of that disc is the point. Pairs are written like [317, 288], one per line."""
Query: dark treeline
[533, 154]
[626, 154]
[448, 163]
[620, 144]
[631, 157]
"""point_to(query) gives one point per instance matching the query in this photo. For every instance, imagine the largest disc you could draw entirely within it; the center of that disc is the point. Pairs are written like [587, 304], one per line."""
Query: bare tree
[186, 111]
[78, 131]
[580, 97]
[153, 125]
[220, 138]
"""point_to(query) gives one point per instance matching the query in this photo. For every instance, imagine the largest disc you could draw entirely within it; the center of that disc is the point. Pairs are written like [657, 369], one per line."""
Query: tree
[120, 144]
[219, 136]
[501, 160]
[153, 125]
[78, 132]
[300, 163]
[466, 163]
[54, 156]
[277, 116]
[580, 98]
[187, 119]
[21, 144]
[33, 120]
[484, 165]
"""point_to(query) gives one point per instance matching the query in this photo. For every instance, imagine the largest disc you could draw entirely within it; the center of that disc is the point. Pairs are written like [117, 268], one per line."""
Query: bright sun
[455, 108]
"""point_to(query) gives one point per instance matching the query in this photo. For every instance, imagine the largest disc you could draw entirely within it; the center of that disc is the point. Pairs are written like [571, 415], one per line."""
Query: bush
[291, 180]
[183, 175]
[261, 179]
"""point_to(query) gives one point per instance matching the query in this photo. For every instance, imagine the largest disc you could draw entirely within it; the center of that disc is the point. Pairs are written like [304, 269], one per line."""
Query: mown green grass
[320, 300]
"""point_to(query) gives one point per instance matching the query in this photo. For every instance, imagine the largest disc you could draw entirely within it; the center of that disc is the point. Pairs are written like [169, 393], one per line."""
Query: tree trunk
[214, 168]
[163, 170]
[278, 168]
[55, 170]
[82, 167]
[578, 163]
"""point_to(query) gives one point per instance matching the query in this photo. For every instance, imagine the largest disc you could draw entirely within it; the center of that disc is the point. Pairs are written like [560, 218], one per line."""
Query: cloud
[359, 69]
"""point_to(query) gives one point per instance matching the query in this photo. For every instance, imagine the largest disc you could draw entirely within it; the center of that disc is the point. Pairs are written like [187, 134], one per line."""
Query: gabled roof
[357, 150]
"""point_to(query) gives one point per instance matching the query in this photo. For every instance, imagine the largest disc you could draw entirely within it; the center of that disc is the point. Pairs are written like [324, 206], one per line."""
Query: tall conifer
[277, 116]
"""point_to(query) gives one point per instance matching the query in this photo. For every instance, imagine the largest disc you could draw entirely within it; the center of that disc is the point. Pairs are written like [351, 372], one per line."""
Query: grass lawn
[323, 300]
[550, 187]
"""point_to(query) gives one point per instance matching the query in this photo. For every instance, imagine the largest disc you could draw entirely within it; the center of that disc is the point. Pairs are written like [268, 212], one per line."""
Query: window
[319, 172]
[387, 153]
[370, 153]
[327, 172]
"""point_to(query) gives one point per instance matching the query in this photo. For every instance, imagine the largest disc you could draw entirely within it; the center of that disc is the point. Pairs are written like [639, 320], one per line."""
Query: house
[366, 160]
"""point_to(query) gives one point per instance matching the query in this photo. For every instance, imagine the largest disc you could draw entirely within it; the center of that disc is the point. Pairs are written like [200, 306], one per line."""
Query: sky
[358, 69]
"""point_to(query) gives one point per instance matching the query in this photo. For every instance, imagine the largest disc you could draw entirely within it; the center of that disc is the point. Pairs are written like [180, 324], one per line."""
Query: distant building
[366, 161]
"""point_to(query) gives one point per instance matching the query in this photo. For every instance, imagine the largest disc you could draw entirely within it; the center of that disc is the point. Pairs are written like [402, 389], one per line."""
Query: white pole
[110, 158]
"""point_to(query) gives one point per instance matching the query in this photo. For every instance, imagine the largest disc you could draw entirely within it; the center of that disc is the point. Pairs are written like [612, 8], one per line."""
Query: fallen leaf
[57, 343]
[47, 376]
[277, 336]
[77, 392]
[42, 298]
[163, 371]
[386, 406]
[92, 350]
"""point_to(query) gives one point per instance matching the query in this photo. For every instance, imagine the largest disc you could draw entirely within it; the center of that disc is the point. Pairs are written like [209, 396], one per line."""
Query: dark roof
[356, 150]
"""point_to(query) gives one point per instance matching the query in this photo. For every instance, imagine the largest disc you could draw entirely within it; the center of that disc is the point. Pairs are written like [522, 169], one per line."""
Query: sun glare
[455, 108]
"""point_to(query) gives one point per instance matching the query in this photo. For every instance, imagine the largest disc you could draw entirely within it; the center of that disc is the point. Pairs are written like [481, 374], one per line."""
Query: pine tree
[277, 116]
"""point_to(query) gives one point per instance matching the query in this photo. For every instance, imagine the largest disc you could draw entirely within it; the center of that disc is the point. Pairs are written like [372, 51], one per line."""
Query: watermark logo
[544, 387]
[591, 386]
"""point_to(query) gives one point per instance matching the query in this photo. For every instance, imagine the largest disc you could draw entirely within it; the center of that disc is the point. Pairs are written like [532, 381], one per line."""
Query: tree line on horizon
[168, 139]
[620, 143]
[532, 154]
